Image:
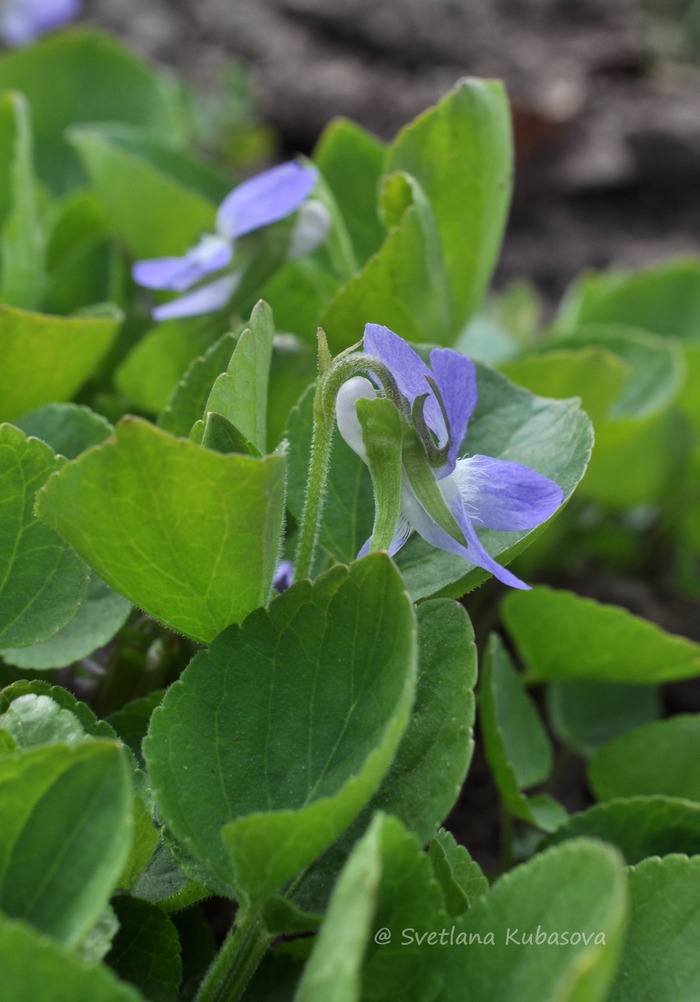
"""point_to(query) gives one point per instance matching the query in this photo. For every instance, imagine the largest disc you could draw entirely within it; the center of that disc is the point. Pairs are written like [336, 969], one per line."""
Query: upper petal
[23, 20]
[500, 494]
[455, 377]
[408, 369]
[205, 300]
[265, 199]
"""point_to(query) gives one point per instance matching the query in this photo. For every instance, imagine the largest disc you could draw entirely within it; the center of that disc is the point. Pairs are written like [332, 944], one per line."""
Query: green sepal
[382, 436]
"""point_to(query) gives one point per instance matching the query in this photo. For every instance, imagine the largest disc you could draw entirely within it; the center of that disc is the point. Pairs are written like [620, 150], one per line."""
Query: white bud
[356, 388]
[311, 229]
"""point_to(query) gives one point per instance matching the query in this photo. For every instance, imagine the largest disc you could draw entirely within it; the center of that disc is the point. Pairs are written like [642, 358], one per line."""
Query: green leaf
[460, 877]
[196, 560]
[164, 882]
[333, 972]
[349, 509]
[46, 359]
[42, 581]
[68, 428]
[37, 968]
[638, 826]
[655, 365]
[146, 949]
[460, 153]
[516, 744]
[649, 760]
[586, 715]
[131, 721]
[350, 160]
[35, 720]
[663, 299]
[428, 770]
[22, 241]
[63, 698]
[553, 437]
[342, 652]
[660, 959]
[592, 642]
[85, 76]
[240, 393]
[187, 400]
[151, 211]
[98, 619]
[79, 257]
[578, 889]
[143, 845]
[65, 829]
[593, 373]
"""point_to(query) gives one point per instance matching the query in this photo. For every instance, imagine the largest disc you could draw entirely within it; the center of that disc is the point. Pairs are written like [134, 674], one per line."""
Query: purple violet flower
[478, 490]
[255, 203]
[21, 21]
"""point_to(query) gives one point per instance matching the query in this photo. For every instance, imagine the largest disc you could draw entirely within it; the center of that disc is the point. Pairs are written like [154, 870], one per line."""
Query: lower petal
[208, 299]
[499, 494]
[401, 534]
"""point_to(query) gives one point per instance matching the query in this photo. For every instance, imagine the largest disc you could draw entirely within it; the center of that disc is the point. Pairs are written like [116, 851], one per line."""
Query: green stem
[321, 442]
[236, 961]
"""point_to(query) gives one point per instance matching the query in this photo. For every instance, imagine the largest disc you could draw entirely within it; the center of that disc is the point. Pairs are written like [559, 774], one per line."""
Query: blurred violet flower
[478, 490]
[284, 576]
[255, 203]
[21, 21]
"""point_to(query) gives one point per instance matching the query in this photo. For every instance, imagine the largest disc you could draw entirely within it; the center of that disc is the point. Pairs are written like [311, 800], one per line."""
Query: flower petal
[205, 300]
[408, 369]
[499, 494]
[436, 536]
[265, 199]
[23, 20]
[175, 274]
[401, 534]
[455, 377]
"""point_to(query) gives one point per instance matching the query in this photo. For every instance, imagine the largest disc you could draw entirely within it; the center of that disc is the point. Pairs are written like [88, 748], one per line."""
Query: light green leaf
[61, 697]
[22, 274]
[593, 373]
[660, 960]
[85, 76]
[46, 359]
[35, 720]
[586, 715]
[655, 365]
[65, 830]
[516, 744]
[663, 299]
[187, 400]
[649, 760]
[328, 668]
[98, 619]
[460, 153]
[42, 580]
[592, 642]
[151, 374]
[240, 393]
[37, 968]
[151, 211]
[350, 160]
[553, 437]
[195, 559]
[68, 428]
[146, 949]
[638, 826]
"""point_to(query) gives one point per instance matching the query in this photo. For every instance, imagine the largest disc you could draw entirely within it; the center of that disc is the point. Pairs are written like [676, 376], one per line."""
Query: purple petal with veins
[500, 494]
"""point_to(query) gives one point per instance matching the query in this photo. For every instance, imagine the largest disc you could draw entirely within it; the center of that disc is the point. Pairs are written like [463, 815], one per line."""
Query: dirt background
[606, 114]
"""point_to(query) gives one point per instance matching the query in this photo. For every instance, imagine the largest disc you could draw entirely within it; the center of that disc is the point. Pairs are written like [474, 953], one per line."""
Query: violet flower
[21, 21]
[479, 491]
[255, 203]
